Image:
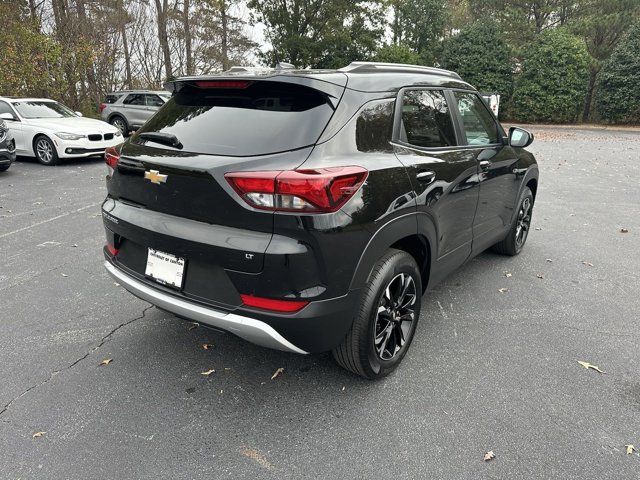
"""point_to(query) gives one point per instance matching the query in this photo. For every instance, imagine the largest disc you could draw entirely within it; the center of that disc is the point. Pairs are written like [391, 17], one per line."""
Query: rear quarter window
[265, 117]
[112, 98]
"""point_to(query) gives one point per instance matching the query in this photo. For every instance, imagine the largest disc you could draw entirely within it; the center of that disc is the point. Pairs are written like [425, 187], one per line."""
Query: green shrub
[552, 84]
[397, 54]
[618, 93]
[481, 56]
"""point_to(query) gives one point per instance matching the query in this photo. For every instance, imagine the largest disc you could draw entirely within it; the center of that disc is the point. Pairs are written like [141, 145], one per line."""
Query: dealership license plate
[165, 268]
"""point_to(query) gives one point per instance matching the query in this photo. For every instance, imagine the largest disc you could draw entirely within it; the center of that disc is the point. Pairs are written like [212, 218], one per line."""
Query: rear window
[264, 117]
[111, 98]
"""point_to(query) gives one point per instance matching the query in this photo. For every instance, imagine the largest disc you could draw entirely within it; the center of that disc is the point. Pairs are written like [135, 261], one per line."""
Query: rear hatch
[174, 167]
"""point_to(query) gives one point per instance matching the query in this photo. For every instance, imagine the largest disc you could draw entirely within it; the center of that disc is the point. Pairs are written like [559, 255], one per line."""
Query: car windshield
[41, 109]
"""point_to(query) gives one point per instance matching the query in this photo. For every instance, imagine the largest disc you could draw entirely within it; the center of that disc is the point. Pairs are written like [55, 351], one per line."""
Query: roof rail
[364, 67]
[240, 69]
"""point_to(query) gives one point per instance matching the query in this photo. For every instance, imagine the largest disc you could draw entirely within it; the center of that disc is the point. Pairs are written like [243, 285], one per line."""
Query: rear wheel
[121, 124]
[46, 153]
[515, 240]
[386, 320]
[4, 168]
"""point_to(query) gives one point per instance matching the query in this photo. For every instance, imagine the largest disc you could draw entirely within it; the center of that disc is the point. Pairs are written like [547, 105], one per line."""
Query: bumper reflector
[273, 305]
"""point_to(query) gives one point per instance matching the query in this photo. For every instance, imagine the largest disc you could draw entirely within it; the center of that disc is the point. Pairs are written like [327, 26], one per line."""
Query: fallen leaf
[207, 346]
[624, 230]
[538, 228]
[74, 245]
[549, 260]
[106, 361]
[630, 449]
[277, 373]
[587, 365]
[64, 275]
[208, 372]
[540, 276]
[343, 388]
[489, 456]
[503, 290]
[257, 457]
[507, 274]
[116, 284]
[38, 434]
[588, 264]
[193, 326]
[226, 369]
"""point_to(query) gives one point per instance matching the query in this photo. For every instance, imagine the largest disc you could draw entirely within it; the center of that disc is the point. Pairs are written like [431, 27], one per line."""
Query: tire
[362, 351]
[45, 151]
[4, 168]
[120, 123]
[517, 236]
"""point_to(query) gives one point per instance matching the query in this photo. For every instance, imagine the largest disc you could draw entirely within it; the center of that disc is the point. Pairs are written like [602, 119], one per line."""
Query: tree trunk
[225, 35]
[589, 98]
[162, 7]
[187, 37]
[84, 28]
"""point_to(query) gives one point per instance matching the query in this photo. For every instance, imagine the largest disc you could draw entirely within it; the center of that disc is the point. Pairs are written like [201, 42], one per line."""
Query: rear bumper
[247, 328]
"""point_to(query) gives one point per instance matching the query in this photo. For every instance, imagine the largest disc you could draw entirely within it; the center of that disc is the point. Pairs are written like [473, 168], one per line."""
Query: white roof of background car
[16, 99]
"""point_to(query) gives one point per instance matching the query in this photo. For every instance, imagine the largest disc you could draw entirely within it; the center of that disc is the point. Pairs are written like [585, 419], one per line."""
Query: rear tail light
[111, 158]
[102, 107]
[113, 251]
[321, 190]
[287, 306]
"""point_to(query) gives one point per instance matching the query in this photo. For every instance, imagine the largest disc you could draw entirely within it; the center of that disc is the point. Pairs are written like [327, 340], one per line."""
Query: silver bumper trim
[250, 329]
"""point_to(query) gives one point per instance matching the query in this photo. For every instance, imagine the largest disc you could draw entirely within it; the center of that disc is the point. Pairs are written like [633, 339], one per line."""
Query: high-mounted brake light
[223, 83]
[273, 305]
[322, 190]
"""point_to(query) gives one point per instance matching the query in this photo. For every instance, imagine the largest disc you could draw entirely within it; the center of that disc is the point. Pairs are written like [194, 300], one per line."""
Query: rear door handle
[426, 177]
[485, 165]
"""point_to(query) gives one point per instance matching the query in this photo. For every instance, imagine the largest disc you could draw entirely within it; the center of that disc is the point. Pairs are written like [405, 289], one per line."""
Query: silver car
[128, 110]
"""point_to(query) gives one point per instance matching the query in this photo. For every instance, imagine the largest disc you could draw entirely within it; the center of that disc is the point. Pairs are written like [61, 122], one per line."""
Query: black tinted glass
[479, 126]
[265, 117]
[111, 98]
[134, 99]
[426, 119]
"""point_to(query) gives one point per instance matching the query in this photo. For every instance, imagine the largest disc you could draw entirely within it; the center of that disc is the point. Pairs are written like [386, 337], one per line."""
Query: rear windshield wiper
[163, 138]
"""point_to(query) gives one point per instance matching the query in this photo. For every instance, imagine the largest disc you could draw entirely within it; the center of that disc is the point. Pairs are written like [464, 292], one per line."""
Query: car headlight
[70, 136]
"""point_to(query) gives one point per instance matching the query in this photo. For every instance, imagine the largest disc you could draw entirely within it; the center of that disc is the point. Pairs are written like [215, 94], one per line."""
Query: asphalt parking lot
[488, 371]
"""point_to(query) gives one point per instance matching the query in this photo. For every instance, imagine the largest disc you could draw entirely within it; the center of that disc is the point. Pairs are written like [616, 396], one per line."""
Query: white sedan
[49, 131]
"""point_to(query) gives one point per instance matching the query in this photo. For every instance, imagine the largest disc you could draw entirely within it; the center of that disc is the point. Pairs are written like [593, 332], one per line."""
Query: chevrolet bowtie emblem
[154, 176]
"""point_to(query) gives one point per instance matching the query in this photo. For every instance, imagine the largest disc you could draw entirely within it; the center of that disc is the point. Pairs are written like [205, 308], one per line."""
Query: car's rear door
[499, 179]
[444, 176]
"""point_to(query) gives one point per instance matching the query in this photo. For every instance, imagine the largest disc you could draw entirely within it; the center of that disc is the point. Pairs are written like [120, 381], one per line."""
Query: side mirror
[7, 116]
[519, 137]
[78, 113]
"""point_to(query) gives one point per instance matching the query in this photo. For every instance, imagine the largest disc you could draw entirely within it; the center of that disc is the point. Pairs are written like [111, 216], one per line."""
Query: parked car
[7, 147]
[49, 131]
[308, 210]
[128, 110]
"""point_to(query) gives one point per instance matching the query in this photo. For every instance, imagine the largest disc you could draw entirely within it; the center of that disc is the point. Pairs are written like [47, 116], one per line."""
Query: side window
[134, 99]
[111, 98]
[5, 108]
[154, 101]
[374, 126]
[479, 125]
[426, 120]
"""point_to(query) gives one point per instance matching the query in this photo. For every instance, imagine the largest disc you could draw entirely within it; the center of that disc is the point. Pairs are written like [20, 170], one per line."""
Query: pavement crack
[103, 340]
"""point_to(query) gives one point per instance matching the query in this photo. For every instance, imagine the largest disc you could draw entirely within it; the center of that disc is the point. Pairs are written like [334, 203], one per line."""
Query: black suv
[309, 210]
